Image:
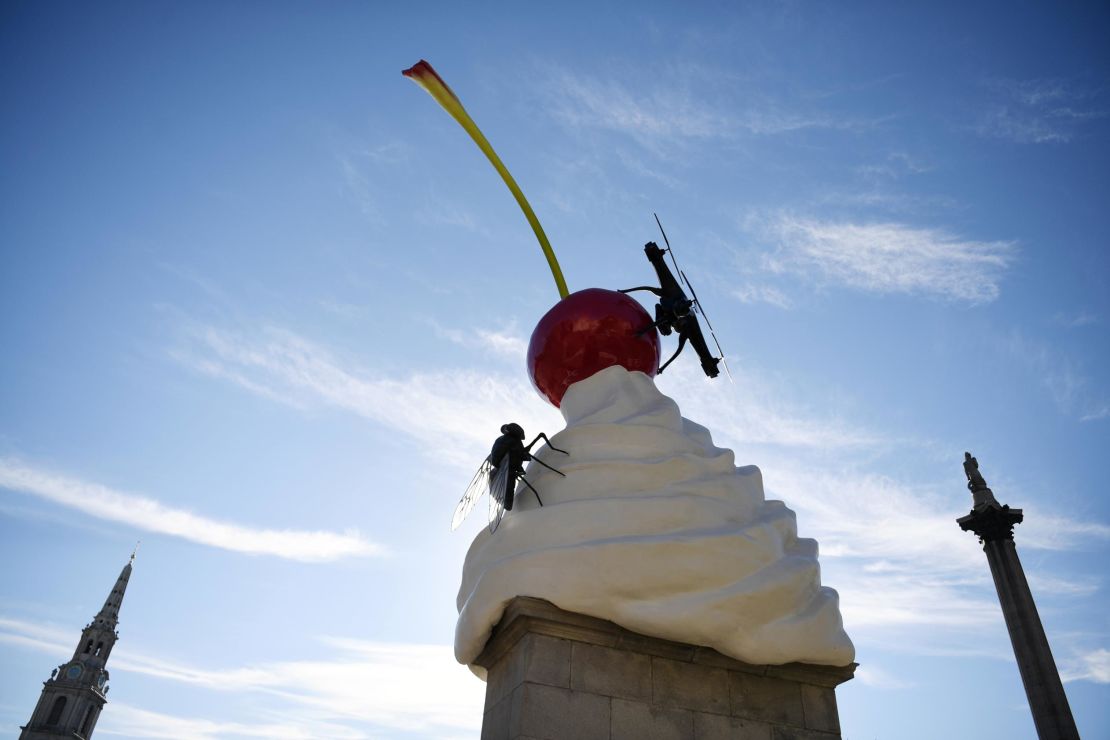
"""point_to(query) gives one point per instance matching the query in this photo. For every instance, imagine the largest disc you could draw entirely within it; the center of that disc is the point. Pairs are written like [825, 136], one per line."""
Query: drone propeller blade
[668, 243]
[697, 303]
[729, 372]
[712, 332]
[665, 240]
[719, 349]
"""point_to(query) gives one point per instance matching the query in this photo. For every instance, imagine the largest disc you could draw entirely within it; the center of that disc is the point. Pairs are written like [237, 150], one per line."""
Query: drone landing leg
[648, 288]
[533, 490]
[648, 328]
[677, 352]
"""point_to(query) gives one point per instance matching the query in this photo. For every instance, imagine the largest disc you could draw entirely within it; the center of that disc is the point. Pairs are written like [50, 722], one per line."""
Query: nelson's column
[77, 690]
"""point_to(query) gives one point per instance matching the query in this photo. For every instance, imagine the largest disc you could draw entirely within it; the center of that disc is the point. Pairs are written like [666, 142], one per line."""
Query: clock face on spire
[74, 671]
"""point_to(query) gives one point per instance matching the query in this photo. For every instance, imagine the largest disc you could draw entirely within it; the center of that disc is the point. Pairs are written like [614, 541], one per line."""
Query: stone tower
[77, 690]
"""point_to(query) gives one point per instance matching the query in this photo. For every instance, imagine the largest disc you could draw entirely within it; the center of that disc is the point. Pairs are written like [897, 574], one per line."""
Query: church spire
[77, 690]
[109, 613]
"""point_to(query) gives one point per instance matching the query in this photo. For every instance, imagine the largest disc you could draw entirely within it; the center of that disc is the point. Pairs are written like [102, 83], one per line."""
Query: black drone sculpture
[675, 312]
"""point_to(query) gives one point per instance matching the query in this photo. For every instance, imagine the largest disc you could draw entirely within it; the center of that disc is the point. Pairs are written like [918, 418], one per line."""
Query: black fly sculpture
[675, 312]
[499, 473]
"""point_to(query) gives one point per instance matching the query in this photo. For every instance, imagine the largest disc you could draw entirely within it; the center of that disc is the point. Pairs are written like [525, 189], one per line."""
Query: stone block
[819, 705]
[766, 699]
[495, 722]
[610, 672]
[689, 686]
[535, 658]
[551, 713]
[794, 733]
[634, 720]
[720, 727]
[655, 646]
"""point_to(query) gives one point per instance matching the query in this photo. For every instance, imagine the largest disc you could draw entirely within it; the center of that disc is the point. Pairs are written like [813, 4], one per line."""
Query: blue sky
[264, 307]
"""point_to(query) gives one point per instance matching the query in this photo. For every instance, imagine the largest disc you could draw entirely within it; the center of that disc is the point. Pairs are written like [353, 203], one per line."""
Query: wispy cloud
[358, 187]
[465, 406]
[359, 689]
[1038, 111]
[506, 343]
[752, 293]
[468, 406]
[127, 720]
[681, 106]
[664, 113]
[1071, 388]
[150, 515]
[901, 564]
[1090, 666]
[893, 166]
[1076, 320]
[877, 677]
[885, 257]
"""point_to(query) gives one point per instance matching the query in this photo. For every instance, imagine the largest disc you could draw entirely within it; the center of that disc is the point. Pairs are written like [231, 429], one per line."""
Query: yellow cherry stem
[422, 74]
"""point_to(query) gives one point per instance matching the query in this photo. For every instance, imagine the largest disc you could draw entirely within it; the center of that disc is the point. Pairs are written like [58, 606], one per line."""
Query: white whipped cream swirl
[655, 529]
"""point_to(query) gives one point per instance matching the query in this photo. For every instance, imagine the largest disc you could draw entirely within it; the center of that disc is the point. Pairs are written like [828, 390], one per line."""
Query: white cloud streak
[879, 678]
[150, 515]
[469, 406]
[747, 412]
[464, 406]
[1091, 666]
[682, 108]
[504, 343]
[125, 720]
[1038, 111]
[750, 293]
[360, 689]
[885, 257]
[1071, 389]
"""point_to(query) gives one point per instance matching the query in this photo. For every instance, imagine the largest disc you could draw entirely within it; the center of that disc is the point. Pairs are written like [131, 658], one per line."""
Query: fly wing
[498, 487]
[478, 486]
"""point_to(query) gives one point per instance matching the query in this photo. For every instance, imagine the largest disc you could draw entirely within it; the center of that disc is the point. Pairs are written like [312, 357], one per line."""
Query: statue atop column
[980, 491]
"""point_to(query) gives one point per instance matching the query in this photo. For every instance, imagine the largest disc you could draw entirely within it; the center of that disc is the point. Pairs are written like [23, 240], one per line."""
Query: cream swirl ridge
[657, 530]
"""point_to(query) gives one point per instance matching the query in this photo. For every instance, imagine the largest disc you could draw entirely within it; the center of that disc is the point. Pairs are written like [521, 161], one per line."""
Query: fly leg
[525, 482]
[543, 436]
[553, 470]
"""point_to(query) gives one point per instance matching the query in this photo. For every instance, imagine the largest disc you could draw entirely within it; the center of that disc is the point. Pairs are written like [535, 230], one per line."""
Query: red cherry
[586, 332]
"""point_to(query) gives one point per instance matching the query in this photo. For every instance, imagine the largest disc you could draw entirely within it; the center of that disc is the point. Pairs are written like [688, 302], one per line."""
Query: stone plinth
[556, 675]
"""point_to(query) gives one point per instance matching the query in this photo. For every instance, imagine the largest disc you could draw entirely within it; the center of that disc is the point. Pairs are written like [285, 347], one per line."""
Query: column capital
[992, 521]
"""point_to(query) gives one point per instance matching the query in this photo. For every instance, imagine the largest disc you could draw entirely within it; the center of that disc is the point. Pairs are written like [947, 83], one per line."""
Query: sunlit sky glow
[264, 306]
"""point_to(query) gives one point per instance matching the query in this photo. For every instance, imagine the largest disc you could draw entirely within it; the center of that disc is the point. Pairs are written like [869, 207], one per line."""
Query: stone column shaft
[1043, 687]
[994, 523]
